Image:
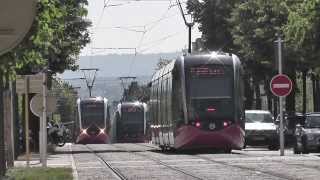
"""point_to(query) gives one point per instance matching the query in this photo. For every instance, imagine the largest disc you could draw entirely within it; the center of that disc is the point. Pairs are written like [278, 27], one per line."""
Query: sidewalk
[62, 157]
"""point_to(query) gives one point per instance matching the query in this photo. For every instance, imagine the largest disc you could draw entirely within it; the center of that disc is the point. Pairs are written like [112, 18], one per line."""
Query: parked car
[260, 129]
[290, 120]
[307, 135]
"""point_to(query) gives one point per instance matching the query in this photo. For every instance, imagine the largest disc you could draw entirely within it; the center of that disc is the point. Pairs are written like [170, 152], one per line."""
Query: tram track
[116, 172]
[255, 170]
[287, 164]
[161, 163]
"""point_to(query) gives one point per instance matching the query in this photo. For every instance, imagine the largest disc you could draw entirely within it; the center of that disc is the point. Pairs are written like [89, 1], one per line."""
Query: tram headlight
[84, 131]
[102, 131]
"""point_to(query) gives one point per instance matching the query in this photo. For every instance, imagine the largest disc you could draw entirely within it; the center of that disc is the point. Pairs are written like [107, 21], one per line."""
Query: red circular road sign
[281, 85]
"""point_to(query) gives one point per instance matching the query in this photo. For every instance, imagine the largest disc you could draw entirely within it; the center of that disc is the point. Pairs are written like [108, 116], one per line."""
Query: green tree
[254, 26]
[303, 33]
[212, 16]
[136, 92]
[162, 62]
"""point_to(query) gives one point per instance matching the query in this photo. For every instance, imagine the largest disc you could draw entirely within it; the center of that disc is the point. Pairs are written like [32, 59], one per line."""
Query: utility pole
[279, 41]
[87, 77]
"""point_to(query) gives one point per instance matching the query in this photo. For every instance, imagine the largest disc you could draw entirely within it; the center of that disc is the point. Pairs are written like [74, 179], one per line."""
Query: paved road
[145, 161]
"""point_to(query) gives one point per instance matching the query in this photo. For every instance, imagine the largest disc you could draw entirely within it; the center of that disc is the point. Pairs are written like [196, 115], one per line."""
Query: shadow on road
[95, 151]
[191, 151]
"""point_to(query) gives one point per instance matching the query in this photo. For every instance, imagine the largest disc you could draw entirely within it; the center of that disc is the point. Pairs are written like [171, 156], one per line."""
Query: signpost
[37, 108]
[281, 86]
[36, 84]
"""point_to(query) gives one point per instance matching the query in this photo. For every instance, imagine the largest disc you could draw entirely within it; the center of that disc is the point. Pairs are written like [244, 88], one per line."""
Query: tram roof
[136, 103]
[194, 59]
[92, 99]
[211, 58]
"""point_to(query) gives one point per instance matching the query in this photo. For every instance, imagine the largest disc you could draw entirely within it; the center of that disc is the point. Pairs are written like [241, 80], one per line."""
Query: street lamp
[189, 23]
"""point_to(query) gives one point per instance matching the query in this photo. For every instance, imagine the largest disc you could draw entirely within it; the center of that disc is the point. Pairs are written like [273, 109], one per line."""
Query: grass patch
[40, 174]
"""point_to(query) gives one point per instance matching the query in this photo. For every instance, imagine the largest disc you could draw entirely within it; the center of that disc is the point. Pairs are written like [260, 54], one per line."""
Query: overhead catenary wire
[159, 42]
[147, 28]
[143, 35]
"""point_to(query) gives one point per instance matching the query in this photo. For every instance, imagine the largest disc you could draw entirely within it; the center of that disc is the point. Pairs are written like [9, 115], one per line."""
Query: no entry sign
[281, 85]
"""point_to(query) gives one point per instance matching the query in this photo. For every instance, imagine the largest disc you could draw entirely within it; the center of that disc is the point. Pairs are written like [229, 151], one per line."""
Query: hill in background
[111, 67]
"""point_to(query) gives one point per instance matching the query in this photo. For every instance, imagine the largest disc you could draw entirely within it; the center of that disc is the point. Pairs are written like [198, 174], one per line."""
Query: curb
[73, 164]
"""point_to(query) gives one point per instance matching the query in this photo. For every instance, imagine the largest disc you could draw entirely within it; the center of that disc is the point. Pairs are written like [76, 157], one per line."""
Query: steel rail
[281, 176]
[161, 163]
[115, 171]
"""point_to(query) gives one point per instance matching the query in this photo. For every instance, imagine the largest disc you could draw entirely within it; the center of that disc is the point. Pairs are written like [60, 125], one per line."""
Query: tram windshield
[207, 82]
[210, 91]
[92, 113]
[133, 119]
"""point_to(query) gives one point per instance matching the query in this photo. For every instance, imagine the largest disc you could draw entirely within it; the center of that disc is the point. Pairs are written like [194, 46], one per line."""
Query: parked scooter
[57, 133]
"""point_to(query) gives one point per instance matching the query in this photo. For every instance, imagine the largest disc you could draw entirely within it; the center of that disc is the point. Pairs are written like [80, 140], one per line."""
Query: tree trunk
[268, 93]
[257, 92]
[290, 99]
[314, 93]
[304, 91]
[317, 92]
[275, 107]
[248, 93]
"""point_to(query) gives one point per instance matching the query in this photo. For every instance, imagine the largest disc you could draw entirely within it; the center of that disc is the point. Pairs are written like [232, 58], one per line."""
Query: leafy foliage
[303, 30]
[213, 15]
[136, 92]
[162, 63]
[66, 100]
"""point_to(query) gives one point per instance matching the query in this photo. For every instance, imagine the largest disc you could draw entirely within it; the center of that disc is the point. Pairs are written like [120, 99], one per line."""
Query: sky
[131, 26]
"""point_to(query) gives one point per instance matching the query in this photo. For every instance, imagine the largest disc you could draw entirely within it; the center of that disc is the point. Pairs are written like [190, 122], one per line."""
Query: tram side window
[169, 105]
[162, 102]
[167, 101]
[157, 104]
[164, 105]
[177, 111]
[153, 105]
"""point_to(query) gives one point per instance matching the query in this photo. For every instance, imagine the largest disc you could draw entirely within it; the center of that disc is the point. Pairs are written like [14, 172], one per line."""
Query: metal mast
[87, 77]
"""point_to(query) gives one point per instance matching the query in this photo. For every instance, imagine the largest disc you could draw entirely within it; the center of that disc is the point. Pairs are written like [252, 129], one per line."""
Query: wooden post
[27, 119]
[2, 153]
[8, 128]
